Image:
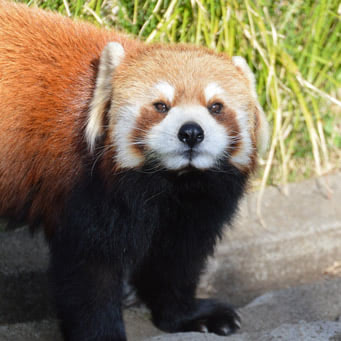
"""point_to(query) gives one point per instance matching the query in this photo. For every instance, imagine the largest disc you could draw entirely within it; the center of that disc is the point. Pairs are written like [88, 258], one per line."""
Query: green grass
[294, 47]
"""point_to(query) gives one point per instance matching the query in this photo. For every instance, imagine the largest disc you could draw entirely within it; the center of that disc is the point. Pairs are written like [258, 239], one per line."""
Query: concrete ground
[283, 274]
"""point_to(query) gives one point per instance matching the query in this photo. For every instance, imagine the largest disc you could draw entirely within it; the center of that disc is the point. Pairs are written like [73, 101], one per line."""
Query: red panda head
[178, 106]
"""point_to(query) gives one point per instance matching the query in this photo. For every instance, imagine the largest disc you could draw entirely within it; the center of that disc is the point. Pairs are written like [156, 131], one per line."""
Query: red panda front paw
[213, 317]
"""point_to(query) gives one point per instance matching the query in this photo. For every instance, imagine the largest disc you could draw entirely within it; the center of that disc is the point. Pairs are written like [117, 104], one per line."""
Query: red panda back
[47, 75]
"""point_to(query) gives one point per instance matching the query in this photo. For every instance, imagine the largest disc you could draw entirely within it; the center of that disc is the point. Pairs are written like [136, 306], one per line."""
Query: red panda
[132, 157]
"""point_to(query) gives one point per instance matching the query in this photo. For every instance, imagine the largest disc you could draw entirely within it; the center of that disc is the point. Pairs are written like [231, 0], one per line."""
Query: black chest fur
[124, 217]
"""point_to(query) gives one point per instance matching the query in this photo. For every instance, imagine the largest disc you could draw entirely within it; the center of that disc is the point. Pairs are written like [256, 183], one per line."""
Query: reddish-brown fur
[43, 109]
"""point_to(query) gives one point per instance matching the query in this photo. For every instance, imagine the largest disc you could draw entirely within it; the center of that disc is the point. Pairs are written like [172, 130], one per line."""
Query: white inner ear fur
[111, 57]
[263, 129]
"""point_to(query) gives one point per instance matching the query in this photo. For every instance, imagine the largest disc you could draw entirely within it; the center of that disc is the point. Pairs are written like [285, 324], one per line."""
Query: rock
[33, 331]
[302, 331]
[24, 292]
[20, 251]
[310, 302]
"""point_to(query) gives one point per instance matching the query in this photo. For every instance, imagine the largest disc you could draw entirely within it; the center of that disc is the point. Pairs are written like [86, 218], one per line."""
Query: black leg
[94, 245]
[87, 294]
[168, 280]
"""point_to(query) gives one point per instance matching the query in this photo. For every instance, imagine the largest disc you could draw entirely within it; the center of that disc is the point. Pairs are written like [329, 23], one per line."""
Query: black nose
[191, 134]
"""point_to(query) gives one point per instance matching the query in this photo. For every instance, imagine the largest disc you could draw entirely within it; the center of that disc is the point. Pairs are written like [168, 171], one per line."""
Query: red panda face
[174, 134]
[182, 107]
[188, 135]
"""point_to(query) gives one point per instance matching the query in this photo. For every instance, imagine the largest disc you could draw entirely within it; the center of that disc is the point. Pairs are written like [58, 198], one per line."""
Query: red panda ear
[262, 128]
[111, 57]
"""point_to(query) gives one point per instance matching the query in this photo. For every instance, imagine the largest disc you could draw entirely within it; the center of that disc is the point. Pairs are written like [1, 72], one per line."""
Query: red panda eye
[161, 107]
[215, 108]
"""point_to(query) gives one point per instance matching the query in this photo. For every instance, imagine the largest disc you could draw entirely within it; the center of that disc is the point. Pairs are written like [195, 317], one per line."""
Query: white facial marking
[111, 57]
[243, 156]
[163, 139]
[166, 90]
[212, 90]
[125, 124]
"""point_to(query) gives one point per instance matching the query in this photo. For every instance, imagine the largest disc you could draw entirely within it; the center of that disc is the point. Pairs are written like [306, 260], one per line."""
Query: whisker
[98, 157]
[138, 143]
[154, 196]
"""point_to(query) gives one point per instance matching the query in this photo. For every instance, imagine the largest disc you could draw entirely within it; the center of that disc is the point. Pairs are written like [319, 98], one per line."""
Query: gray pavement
[279, 274]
